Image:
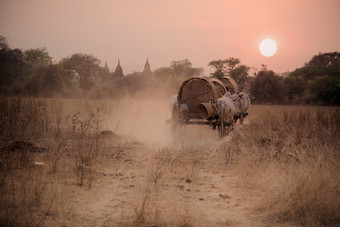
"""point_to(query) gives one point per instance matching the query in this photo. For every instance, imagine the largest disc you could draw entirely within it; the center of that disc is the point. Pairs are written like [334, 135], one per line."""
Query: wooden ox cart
[199, 102]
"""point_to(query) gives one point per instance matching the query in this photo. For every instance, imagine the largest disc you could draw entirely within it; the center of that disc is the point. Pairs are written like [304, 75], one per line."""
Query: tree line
[33, 73]
[317, 82]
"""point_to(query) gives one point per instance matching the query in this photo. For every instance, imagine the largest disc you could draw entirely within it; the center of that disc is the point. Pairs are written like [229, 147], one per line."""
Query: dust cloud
[142, 118]
[146, 121]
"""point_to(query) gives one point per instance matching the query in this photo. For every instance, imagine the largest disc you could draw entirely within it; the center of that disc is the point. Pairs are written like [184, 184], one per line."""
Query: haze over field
[172, 30]
[85, 143]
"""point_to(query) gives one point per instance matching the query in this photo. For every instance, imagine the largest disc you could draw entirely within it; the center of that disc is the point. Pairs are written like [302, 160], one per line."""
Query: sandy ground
[196, 187]
[147, 177]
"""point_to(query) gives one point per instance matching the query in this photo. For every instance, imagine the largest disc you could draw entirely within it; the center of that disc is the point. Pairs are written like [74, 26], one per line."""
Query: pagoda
[147, 70]
[119, 71]
[106, 68]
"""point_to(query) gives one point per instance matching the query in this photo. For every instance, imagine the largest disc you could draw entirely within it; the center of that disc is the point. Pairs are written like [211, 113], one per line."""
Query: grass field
[115, 163]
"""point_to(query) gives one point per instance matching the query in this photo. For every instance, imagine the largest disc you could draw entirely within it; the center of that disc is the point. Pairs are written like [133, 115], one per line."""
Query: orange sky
[167, 30]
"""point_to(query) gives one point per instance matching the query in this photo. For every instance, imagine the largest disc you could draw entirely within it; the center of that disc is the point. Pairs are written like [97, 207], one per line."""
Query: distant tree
[48, 81]
[194, 72]
[163, 72]
[232, 63]
[84, 67]
[309, 72]
[12, 68]
[231, 67]
[295, 87]
[240, 74]
[326, 59]
[37, 57]
[327, 89]
[220, 68]
[267, 87]
[3, 43]
[183, 68]
[321, 78]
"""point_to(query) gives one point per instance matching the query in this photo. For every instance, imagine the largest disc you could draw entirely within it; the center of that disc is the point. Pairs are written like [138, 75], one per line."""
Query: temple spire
[147, 69]
[118, 71]
[106, 67]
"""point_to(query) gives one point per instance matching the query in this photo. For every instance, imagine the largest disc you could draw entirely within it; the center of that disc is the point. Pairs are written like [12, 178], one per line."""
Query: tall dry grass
[289, 160]
[23, 118]
[33, 140]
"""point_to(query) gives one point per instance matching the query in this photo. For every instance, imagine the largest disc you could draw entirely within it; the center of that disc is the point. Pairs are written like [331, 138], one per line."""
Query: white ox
[245, 102]
[241, 102]
[226, 108]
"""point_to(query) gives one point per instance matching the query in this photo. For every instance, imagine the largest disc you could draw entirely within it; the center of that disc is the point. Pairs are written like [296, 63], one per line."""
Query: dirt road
[139, 183]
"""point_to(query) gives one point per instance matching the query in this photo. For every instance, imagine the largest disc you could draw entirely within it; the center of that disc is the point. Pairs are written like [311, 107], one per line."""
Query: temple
[106, 68]
[119, 71]
[147, 70]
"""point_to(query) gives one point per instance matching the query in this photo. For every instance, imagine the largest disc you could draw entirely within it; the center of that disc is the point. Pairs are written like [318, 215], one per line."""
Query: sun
[268, 47]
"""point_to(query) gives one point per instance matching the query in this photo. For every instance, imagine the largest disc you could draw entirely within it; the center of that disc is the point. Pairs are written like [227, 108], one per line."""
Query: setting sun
[268, 47]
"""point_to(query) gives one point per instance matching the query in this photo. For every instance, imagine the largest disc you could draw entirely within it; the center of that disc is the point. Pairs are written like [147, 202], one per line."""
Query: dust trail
[146, 121]
[143, 120]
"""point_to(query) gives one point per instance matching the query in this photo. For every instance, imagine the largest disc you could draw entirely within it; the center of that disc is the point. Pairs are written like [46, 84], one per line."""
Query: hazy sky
[167, 30]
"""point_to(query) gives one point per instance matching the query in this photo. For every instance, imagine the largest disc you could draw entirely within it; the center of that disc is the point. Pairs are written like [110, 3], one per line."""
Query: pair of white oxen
[232, 107]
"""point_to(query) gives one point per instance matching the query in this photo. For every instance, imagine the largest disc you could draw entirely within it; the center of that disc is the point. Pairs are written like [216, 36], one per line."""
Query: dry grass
[29, 177]
[164, 166]
[22, 187]
[86, 145]
[289, 158]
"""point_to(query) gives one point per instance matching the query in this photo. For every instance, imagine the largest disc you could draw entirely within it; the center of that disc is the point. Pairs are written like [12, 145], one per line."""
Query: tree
[327, 59]
[309, 72]
[163, 72]
[327, 89]
[47, 81]
[84, 67]
[295, 87]
[12, 68]
[240, 74]
[231, 67]
[183, 68]
[196, 72]
[220, 68]
[232, 63]
[37, 57]
[267, 87]
[321, 78]
[3, 43]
